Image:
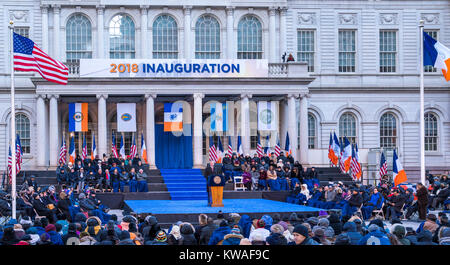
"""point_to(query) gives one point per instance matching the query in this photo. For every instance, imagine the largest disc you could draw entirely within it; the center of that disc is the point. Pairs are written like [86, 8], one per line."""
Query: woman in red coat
[422, 200]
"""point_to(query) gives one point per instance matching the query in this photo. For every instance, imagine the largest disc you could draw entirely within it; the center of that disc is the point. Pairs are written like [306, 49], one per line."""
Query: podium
[215, 190]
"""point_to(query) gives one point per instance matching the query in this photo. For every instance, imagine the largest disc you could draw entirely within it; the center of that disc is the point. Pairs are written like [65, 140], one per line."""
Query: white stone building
[362, 77]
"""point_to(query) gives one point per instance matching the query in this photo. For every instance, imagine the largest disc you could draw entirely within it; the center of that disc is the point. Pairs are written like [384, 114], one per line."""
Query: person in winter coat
[71, 235]
[55, 237]
[276, 236]
[245, 223]
[9, 237]
[261, 229]
[86, 239]
[319, 236]
[234, 238]
[400, 232]
[94, 227]
[219, 234]
[352, 204]
[335, 223]
[207, 231]
[301, 236]
[174, 236]
[325, 225]
[125, 238]
[422, 200]
[444, 238]
[187, 234]
[425, 238]
[44, 240]
[160, 239]
[374, 237]
[350, 230]
[151, 228]
[375, 202]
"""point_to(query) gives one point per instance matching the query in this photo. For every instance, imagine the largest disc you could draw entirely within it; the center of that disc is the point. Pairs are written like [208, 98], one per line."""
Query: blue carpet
[185, 184]
[201, 206]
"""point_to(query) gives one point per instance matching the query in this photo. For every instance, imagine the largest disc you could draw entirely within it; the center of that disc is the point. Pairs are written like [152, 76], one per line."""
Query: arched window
[388, 131]
[207, 38]
[347, 127]
[78, 38]
[311, 131]
[249, 38]
[122, 37]
[165, 38]
[431, 132]
[23, 130]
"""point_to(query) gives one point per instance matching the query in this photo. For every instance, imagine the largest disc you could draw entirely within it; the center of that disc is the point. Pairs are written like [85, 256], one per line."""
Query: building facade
[356, 73]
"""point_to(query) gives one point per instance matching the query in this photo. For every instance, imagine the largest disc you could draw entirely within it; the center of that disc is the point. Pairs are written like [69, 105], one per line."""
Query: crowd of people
[226, 229]
[107, 174]
[269, 172]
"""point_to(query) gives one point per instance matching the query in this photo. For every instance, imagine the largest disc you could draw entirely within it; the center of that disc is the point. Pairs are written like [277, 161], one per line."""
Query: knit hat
[301, 229]
[236, 230]
[323, 222]
[277, 228]
[373, 227]
[284, 225]
[399, 231]
[261, 223]
[342, 239]
[161, 236]
[318, 232]
[377, 222]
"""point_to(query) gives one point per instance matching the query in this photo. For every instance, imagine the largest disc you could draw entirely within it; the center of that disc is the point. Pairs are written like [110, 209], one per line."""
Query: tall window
[434, 35]
[165, 38]
[311, 131]
[23, 31]
[305, 47]
[78, 38]
[207, 38]
[388, 131]
[347, 51]
[23, 130]
[347, 127]
[431, 132]
[388, 51]
[122, 37]
[249, 38]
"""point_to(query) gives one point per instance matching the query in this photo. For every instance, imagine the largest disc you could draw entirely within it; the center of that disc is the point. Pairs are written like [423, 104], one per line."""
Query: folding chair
[379, 212]
[239, 183]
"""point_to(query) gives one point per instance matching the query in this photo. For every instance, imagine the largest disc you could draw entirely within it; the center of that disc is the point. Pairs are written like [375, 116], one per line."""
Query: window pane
[23, 130]
[165, 38]
[121, 37]
[431, 132]
[388, 50]
[305, 47]
[207, 38]
[347, 127]
[311, 131]
[249, 38]
[78, 38]
[388, 131]
[347, 51]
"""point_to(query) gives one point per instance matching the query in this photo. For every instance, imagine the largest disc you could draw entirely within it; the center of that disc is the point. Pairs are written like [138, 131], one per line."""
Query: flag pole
[13, 123]
[422, 111]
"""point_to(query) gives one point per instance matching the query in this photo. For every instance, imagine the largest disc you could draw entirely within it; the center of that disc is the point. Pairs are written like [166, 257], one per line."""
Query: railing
[74, 68]
[278, 69]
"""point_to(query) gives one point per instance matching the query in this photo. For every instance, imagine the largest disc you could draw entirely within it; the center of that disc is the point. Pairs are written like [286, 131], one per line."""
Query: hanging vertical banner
[267, 116]
[219, 117]
[78, 117]
[126, 117]
[173, 117]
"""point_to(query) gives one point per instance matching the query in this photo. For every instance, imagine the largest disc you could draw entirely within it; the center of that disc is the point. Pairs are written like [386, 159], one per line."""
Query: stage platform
[169, 212]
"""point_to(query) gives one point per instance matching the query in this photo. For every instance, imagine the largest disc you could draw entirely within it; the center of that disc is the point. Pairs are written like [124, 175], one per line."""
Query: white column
[44, 13]
[187, 32]
[245, 123]
[272, 35]
[56, 28]
[100, 35]
[292, 124]
[150, 129]
[283, 48]
[54, 130]
[101, 123]
[230, 36]
[40, 130]
[304, 129]
[198, 130]
[144, 23]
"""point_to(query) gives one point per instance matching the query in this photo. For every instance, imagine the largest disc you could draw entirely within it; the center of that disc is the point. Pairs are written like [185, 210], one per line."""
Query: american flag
[259, 149]
[113, 146]
[9, 165]
[277, 149]
[383, 166]
[341, 161]
[355, 165]
[62, 153]
[212, 150]
[18, 155]
[29, 58]
[84, 152]
[133, 149]
[230, 148]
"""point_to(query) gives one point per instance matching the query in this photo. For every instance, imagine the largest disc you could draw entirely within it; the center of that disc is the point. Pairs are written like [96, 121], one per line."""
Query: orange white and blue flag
[143, 149]
[399, 173]
[78, 117]
[347, 154]
[334, 149]
[173, 117]
[72, 155]
[436, 55]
